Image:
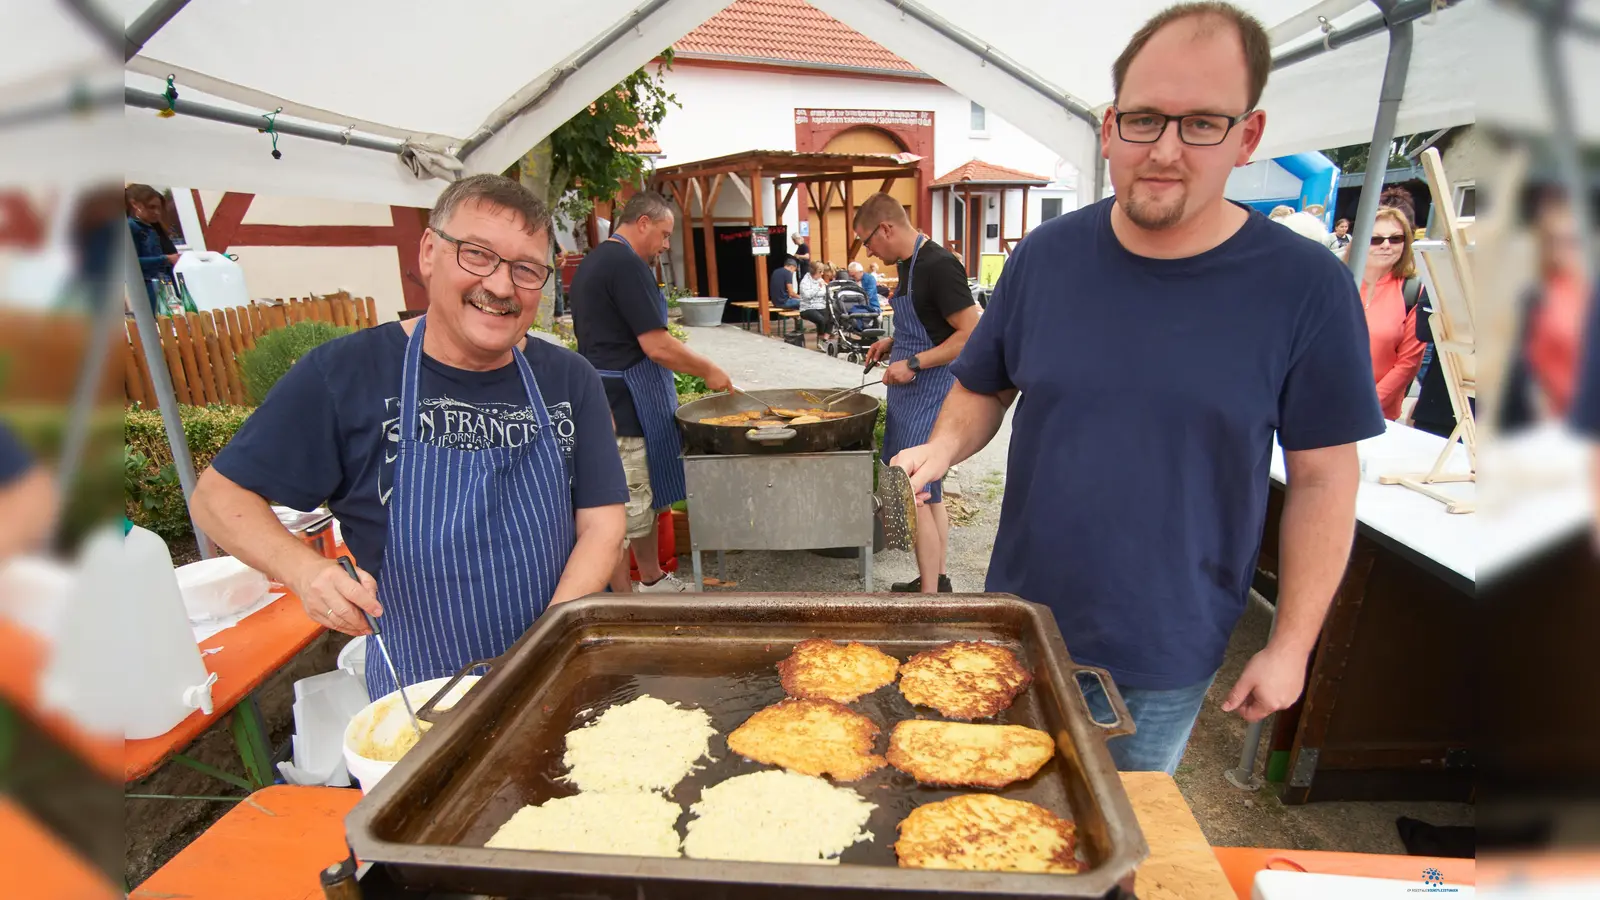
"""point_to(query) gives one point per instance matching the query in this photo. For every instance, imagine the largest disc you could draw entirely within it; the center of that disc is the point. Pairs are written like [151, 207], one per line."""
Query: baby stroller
[850, 334]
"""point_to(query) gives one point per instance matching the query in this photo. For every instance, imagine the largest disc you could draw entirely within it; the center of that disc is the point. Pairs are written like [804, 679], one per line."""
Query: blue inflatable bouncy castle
[1296, 181]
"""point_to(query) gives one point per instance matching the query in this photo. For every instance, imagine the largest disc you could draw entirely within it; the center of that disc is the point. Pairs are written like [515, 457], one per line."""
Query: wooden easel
[1446, 269]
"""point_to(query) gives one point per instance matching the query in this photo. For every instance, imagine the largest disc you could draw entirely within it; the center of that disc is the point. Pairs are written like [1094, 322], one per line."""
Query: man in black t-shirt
[620, 318]
[802, 253]
[470, 465]
[781, 290]
[934, 315]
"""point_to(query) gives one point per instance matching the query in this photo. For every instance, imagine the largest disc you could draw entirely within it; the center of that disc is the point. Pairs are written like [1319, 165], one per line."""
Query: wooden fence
[202, 349]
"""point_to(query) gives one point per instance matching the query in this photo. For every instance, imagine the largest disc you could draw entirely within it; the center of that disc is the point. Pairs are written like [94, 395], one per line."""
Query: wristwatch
[913, 364]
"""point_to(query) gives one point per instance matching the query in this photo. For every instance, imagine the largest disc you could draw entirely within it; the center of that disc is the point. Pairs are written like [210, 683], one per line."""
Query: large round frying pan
[854, 432]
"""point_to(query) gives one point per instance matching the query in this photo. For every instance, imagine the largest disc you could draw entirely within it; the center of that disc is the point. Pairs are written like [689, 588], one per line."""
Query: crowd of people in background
[809, 287]
[1541, 381]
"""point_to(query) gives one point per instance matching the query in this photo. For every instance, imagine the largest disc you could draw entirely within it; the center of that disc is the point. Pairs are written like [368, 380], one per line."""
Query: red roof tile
[787, 31]
[979, 171]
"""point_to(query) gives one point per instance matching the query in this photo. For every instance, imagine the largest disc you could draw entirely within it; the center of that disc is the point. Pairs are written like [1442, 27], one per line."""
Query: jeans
[1163, 719]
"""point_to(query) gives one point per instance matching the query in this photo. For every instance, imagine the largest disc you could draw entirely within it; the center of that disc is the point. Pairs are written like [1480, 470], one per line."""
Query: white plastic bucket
[384, 721]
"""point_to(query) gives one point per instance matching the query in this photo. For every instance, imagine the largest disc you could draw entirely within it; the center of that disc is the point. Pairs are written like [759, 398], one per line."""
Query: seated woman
[814, 297]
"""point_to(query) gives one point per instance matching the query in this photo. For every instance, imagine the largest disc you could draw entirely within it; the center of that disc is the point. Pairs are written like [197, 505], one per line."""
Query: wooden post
[783, 204]
[1001, 231]
[691, 271]
[203, 360]
[850, 221]
[763, 302]
[708, 205]
[822, 221]
[169, 349]
[1024, 213]
[144, 389]
[372, 311]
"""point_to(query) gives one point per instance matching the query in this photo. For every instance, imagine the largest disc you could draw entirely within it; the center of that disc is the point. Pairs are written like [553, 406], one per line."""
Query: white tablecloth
[1539, 497]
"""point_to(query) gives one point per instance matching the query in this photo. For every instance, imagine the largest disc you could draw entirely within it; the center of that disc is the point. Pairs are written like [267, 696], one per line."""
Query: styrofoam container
[385, 720]
[219, 587]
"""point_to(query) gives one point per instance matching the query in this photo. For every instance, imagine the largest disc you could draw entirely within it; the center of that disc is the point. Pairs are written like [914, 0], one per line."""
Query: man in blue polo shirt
[1158, 341]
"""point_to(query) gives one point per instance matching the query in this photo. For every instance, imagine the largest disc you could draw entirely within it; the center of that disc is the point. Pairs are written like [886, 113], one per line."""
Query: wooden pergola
[981, 178]
[826, 177]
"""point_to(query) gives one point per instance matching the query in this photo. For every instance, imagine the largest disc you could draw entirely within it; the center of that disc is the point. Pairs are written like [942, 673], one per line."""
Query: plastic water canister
[214, 280]
[169, 678]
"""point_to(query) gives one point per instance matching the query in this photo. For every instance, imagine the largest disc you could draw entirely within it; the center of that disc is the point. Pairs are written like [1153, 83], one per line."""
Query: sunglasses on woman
[1396, 239]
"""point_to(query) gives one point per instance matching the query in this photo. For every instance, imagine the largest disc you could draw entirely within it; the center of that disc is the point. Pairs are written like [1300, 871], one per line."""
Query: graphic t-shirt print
[458, 425]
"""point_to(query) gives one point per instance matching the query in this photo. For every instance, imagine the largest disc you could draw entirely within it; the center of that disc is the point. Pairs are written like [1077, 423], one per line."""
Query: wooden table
[35, 863]
[1383, 716]
[23, 656]
[273, 845]
[247, 654]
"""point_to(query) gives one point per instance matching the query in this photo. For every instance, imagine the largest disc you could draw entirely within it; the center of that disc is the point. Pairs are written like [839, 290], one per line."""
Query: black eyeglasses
[872, 234]
[1398, 240]
[1194, 129]
[483, 262]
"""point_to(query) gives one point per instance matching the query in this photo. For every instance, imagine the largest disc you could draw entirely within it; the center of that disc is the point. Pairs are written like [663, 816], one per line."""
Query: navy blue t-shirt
[1586, 411]
[330, 428]
[615, 299]
[1150, 390]
[15, 460]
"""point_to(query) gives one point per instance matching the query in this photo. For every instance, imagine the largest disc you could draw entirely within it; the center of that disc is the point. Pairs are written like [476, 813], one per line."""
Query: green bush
[274, 352]
[91, 499]
[152, 494]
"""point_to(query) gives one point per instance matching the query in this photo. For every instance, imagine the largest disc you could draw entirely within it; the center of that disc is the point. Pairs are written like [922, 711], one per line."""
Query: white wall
[1013, 229]
[283, 272]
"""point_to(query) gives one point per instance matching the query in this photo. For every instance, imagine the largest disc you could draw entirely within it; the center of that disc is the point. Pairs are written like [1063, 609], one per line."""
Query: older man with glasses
[471, 466]
[620, 317]
[1159, 341]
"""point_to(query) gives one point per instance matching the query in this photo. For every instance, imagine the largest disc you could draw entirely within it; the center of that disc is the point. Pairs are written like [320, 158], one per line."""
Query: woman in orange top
[1391, 328]
[1555, 329]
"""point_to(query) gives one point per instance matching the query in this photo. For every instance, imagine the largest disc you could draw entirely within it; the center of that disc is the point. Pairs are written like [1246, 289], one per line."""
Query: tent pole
[1394, 89]
[1393, 15]
[166, 400]
[149, 22]
[86, 396]
[1066, 101]
[1554, 23]
[147, 100]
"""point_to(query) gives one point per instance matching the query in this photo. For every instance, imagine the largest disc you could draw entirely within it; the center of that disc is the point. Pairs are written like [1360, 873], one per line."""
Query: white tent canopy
[437, 75]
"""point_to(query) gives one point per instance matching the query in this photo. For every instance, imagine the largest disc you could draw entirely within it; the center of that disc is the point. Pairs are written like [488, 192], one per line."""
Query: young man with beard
[620, 318]
[1138, 474]
[471, 466]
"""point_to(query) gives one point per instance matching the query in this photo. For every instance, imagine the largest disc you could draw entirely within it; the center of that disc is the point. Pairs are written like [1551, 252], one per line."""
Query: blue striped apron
[477, 541]
[913, 407]
[655, 399]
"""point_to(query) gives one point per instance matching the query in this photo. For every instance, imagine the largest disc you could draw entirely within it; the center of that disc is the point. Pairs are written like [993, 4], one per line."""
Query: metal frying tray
[501, 748]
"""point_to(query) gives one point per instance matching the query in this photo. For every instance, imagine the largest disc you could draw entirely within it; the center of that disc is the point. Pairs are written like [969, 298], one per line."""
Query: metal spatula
[897, 507]
[383, 649]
